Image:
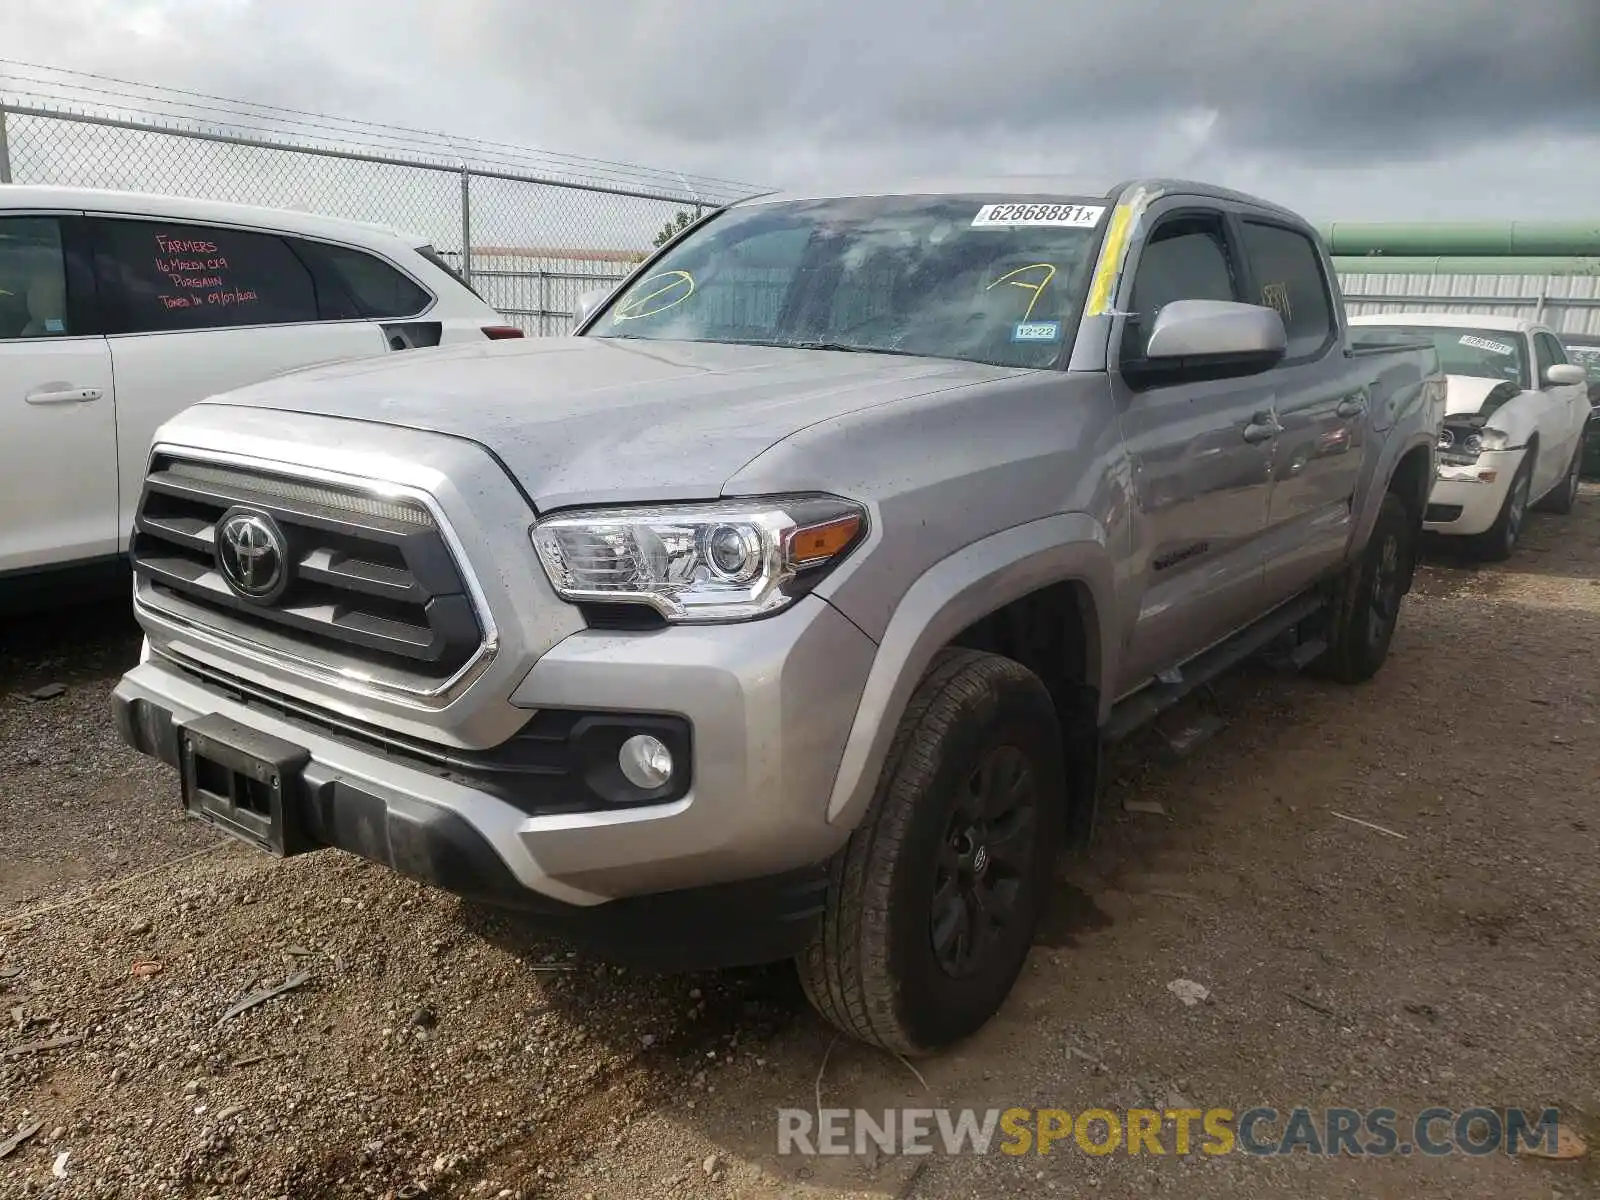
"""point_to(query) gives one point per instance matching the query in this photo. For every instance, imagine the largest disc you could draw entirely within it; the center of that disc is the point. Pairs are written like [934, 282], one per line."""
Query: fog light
[645, 761]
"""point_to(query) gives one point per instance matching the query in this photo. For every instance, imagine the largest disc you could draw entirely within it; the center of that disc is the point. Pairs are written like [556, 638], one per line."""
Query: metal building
[1548, 271]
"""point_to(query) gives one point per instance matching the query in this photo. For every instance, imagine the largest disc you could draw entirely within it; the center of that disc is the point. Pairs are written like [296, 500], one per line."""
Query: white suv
[118, 310]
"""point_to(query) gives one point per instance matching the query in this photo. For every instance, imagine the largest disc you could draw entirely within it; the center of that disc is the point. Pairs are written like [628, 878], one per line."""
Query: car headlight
[724, 561]
[1460, 443]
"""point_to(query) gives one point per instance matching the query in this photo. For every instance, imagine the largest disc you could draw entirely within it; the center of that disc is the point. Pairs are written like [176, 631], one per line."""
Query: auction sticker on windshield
[1069, 216]
[1485, 344]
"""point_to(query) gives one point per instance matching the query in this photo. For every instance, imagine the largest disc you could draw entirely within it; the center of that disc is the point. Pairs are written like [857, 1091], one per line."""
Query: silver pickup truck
[783, 609]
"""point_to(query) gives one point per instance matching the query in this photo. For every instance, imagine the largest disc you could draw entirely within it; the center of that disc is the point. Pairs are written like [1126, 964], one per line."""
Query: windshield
[991, 279]
[1482, 353]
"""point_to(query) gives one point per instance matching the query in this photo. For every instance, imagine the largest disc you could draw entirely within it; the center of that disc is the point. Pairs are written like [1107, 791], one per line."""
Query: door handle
[64, 396]
[1263, 427]
[1352, 406]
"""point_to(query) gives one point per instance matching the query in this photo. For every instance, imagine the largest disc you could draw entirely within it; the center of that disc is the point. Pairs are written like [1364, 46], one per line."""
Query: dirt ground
[433, 1049]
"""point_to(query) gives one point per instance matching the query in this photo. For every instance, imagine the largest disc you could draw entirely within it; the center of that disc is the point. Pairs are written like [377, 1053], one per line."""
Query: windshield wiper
[846, 348]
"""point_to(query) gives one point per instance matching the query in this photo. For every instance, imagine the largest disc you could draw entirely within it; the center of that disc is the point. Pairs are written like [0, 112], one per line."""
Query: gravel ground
[430, 1048]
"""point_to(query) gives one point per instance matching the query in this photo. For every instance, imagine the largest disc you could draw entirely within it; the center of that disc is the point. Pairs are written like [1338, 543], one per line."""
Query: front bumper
[728, 871]
[1466, 501]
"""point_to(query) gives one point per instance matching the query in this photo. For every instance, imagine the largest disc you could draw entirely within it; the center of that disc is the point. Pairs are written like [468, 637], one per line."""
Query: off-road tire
[1563, 498]
[872, 970]
[1358, 642]
[1499, 542]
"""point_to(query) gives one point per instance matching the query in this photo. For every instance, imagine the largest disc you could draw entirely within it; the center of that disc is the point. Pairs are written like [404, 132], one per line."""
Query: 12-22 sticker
[1065, 216]
[1036, 331]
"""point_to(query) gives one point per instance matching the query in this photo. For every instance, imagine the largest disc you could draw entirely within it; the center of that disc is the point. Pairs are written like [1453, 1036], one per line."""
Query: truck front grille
[277, 560]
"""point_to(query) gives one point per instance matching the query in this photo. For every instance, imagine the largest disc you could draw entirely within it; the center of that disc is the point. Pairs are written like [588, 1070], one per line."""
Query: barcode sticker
[1479, 343]
[1066, 216]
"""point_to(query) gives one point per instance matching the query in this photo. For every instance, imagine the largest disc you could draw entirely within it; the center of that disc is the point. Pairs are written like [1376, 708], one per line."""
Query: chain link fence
[531, 232]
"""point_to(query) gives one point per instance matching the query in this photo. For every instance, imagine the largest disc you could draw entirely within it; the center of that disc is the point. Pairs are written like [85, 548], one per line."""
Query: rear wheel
[1366, 605]
[1564, 497]
[933, 903]
[1497, 543]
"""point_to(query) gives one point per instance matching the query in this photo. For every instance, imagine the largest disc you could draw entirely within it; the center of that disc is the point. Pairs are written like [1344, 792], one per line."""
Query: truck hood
[1467, 393]
[605, 420]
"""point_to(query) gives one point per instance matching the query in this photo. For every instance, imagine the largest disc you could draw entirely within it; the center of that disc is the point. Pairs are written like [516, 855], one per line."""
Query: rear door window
[372, 288]
[166, 276]
[1288, 277]
[438, 260]
[33, 279]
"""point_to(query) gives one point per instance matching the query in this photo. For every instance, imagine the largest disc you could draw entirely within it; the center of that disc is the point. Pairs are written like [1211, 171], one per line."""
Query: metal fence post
[5, 149]
[466, 224]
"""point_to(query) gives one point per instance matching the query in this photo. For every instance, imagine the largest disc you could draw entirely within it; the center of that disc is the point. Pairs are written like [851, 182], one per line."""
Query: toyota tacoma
[783, 609]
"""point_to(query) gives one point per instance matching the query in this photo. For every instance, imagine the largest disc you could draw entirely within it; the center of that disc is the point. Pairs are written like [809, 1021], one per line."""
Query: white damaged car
[1514, 422]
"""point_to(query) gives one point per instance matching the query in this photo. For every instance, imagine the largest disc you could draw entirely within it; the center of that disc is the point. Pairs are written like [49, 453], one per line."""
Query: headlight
[1460, 443]
[1492, 439]
[726, 561]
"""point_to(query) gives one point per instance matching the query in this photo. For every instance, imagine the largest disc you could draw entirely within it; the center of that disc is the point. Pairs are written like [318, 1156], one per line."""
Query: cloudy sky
[1405, 109]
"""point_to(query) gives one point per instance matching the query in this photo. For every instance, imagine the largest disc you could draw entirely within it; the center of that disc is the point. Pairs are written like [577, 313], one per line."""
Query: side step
[1303, 654]
[1143, 706]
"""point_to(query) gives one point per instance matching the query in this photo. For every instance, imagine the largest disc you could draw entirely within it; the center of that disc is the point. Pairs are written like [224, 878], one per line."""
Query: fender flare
[1377, 485]
[947, 598]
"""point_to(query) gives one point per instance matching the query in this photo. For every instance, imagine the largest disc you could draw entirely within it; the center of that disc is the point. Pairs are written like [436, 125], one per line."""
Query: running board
[1300, 654]
[1143, 706]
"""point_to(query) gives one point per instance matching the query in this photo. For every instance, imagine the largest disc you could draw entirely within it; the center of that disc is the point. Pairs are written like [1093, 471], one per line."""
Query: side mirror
[1215, 338]
[1565, 375]
[587, 303]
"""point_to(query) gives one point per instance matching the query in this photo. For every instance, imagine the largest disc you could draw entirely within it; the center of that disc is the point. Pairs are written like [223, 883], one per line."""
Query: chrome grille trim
[237, 479]
[424, 511]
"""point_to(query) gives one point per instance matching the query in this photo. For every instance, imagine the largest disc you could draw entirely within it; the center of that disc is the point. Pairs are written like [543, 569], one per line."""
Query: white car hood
[1466, 393]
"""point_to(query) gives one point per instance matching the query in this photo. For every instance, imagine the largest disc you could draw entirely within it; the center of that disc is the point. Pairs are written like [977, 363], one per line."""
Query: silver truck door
[1323, 407]
[1199, 453]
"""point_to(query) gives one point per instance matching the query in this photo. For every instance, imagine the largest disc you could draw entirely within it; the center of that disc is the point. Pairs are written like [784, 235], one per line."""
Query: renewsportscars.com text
[1261, 1131]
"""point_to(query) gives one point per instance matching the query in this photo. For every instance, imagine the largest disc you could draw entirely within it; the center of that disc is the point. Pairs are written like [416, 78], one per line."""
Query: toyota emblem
[253, 556]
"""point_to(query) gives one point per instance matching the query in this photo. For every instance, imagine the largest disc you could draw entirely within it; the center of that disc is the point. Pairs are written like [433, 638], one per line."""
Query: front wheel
[933, 903]
[1366, 603]
[1564, 497]
[1497, 543]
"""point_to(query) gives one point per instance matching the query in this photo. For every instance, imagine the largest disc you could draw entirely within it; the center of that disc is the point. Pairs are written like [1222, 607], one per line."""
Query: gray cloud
[1294, 75]
[1427, 107]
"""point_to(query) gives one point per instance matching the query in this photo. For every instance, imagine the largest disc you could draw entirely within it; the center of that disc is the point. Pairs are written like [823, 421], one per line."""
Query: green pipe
[1385, 264]
[1474, 237]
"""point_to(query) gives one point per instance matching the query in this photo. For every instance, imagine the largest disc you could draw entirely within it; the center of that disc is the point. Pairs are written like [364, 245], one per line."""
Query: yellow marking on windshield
[1105, 276]
[1035, 288]
[634, 308]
